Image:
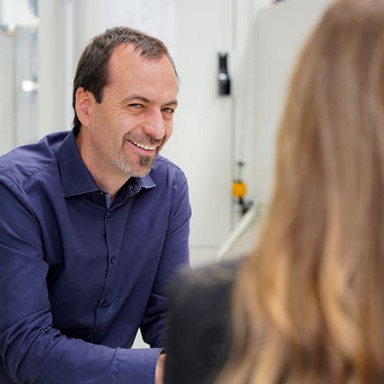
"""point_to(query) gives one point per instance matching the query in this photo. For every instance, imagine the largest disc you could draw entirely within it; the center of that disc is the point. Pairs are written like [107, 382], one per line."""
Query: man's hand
[159, 376]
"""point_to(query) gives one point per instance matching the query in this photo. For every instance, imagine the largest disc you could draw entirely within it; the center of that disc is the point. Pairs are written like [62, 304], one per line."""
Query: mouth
[150, 148]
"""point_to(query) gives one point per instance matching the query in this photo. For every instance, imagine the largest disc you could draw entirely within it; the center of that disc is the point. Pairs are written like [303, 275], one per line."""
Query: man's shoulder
[31, 160]
[165, 164]
[165, 169]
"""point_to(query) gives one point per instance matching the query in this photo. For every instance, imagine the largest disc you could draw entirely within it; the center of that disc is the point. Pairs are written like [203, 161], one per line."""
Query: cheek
[122, 123]
[106, 135]
[112, 129]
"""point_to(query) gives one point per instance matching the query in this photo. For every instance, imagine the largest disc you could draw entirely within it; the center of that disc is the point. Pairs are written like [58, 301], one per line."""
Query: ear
[84, 100]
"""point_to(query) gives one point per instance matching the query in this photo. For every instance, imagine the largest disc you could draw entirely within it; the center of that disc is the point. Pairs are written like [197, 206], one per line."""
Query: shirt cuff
[137, 365]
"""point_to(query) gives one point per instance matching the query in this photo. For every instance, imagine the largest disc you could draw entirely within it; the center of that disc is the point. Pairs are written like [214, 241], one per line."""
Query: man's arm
[175, 255]
[31, 349]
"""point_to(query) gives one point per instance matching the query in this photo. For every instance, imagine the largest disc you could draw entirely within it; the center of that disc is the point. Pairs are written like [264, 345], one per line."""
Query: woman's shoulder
[198, 337]
[203, 293]
[210, 278]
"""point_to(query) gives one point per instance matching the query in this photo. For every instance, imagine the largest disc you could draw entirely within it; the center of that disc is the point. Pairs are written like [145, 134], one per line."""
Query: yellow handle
[239, 189]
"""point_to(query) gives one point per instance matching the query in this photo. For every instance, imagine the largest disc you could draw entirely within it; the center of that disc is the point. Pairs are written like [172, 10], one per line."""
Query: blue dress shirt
[78, 275]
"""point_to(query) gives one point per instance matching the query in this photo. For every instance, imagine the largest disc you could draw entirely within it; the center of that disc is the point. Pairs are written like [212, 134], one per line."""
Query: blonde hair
[308, 304]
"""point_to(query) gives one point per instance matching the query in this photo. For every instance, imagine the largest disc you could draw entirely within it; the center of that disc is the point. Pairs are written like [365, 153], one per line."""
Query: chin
[138, 168]
[141, 170]
[141, 173]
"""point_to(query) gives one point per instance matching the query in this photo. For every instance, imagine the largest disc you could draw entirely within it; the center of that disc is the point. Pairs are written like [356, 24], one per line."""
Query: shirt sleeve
[175, 255]
[31, 350]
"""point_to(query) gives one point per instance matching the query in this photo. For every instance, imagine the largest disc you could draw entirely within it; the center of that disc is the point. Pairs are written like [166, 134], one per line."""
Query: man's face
[134, 119]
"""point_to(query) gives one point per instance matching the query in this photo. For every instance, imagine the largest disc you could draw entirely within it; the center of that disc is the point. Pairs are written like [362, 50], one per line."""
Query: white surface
[201, 142]
[157, 18]
[17, 13]
[279, 32]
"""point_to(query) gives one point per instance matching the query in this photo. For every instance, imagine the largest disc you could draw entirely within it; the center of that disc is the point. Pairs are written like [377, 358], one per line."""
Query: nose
[154, 124]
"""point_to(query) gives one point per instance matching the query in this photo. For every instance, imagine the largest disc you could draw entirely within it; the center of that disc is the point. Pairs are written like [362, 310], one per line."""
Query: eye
[168, 113]
[136, 105]
[168, 110]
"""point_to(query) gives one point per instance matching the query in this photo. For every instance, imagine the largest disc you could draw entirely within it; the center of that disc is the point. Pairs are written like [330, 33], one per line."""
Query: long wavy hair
[308, 304]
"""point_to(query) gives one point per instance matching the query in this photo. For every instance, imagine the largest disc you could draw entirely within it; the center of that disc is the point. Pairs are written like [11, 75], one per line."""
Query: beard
[139, 169]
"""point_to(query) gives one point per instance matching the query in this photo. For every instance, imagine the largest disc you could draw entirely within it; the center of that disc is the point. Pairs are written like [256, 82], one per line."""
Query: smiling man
[94, 223]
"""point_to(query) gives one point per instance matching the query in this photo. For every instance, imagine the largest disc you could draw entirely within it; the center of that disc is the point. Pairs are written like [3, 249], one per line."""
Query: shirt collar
[75, 176]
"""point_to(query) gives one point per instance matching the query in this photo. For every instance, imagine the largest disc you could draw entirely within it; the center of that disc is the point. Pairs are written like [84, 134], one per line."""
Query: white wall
[274, 39]
[213, 133]
[51, 51]
[279, 32]
[202, 140]
[6, 95]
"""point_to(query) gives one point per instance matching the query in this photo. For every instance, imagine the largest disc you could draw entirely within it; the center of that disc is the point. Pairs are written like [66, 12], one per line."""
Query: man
[93, 224]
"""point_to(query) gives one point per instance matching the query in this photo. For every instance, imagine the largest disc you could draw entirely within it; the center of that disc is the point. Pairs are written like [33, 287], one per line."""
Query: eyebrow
[145, 100]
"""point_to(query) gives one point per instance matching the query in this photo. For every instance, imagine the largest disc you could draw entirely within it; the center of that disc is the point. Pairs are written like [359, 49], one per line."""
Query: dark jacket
[198, 342]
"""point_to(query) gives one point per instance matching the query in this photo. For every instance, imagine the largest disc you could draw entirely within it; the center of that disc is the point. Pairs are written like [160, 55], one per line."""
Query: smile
[142, 146]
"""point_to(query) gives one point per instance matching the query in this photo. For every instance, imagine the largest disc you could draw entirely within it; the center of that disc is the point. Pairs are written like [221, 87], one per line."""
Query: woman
[307, 306]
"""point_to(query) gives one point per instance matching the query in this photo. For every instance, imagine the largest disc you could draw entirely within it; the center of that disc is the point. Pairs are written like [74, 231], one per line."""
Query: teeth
[146, 147]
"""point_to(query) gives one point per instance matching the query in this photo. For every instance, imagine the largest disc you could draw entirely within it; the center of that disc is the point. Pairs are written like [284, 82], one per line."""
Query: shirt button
[104, 304]
[109, 215]
[113, 259]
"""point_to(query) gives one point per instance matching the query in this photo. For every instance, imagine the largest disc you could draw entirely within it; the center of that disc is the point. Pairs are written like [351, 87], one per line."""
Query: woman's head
[309, 302]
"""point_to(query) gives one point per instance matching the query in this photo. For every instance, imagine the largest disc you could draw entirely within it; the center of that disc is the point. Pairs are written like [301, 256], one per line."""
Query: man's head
[92, 69]
[124, 98]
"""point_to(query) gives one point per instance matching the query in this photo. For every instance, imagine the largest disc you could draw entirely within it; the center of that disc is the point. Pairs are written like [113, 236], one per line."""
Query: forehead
[128, 64]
